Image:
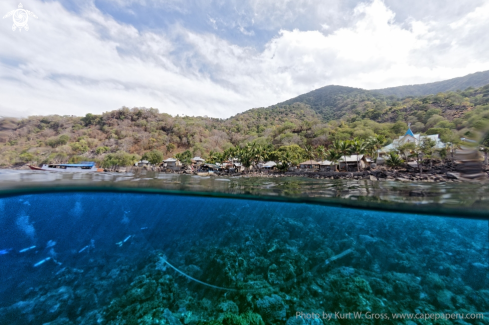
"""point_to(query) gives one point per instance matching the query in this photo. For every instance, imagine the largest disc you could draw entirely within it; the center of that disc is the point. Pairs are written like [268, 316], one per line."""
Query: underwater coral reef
[159, 259]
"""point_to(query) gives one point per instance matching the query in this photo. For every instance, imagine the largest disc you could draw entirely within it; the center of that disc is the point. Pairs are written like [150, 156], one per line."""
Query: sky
[218, 58]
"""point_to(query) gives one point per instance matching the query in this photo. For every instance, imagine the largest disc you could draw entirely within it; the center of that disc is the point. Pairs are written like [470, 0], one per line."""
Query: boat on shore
[84, 166]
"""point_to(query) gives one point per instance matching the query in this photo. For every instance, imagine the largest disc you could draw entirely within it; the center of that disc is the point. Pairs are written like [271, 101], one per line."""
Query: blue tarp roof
[409, 132]
[82, 164]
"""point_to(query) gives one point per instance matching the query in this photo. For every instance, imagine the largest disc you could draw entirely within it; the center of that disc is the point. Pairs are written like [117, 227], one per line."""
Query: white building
[408, 137]
[172, 162]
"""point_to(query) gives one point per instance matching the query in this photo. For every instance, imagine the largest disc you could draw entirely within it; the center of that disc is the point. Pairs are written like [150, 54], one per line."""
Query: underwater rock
[480, 299]
[60, 321]
[272, 308]
[403, 285]
[147, 298]
[229, 307]
[367, 239]
[444, 299]
[346, 271]
[477, 276]
[45, 307]
[172, 320]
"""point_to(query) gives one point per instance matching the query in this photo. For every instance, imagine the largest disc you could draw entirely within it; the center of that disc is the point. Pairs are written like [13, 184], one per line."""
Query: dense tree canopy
[321, 119]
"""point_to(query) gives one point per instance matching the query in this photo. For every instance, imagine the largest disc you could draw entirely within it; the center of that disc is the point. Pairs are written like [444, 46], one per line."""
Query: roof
[270, 164]
[198, 159]
[409, 132]
[325, 163]
[309, 162]
[352, 158]
[417, 137]
[82, 164]
[170, 160]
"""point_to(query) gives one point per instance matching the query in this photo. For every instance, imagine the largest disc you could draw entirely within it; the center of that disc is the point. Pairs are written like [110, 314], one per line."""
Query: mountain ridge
[475, 80]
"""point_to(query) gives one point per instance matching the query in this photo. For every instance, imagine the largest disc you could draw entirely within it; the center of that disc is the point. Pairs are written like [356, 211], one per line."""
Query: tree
[59, 141]
[406, 149]
[170, 147]
[374, 144]
[358, 147]
[343, 147]
[428, 149]
[213, 157]
[80, 146]
[418, 154]
[184, 157]
[101, 150]
[309, 152]
[321, 152]
[155, 157]
[333, 156]
[284, 160]
[119, 159]
[393, 160]
[27, 157]
[90, 119]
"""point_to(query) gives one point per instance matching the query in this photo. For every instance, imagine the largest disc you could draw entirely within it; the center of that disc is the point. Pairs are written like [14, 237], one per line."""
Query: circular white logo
[20, 17]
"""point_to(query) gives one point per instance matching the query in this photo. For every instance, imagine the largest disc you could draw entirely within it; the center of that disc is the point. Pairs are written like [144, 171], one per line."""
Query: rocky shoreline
[440, 173]
[378, 175]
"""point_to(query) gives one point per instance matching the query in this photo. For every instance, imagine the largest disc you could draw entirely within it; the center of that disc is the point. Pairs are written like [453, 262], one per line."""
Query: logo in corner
[20, 17]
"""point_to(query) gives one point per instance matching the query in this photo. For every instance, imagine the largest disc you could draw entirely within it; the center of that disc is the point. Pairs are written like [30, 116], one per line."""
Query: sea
[155, 248]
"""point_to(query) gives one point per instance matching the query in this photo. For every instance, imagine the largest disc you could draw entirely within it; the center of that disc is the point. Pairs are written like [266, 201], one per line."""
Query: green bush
[393, 160]
[59, 141]
[154, 157]
[101, 150]
[121, 159]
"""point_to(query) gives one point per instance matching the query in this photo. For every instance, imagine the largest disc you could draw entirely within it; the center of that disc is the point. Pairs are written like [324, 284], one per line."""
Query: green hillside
[332, 102]
[474, 80]
[312, 120]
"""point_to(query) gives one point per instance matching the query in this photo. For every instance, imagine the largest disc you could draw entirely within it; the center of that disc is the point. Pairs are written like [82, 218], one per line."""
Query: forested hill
[314, 120]
[474, 80]
[332, 102]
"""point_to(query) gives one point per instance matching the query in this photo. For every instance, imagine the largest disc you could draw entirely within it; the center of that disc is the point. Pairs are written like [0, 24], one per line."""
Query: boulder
[444, 299]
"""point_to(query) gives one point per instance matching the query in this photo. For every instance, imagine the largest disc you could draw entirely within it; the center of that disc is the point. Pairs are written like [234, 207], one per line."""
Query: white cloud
[75, 64]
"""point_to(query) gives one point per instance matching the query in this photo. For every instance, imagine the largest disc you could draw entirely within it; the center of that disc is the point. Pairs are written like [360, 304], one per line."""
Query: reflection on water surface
[470, 199]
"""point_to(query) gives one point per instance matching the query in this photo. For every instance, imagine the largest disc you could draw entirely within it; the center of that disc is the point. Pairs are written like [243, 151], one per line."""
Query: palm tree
[213, 157]
[343, 147]
[358, 147]
[374, 144]
[333, 156]
[321, 151]
[309, 152]
[393, 160]
[284, 160]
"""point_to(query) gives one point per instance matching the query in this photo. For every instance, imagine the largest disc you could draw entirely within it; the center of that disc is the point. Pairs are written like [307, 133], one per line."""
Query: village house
[197, 160]
[309, 164]
[142, 163]
[327, 166]
[353, 162]
[172, 163]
